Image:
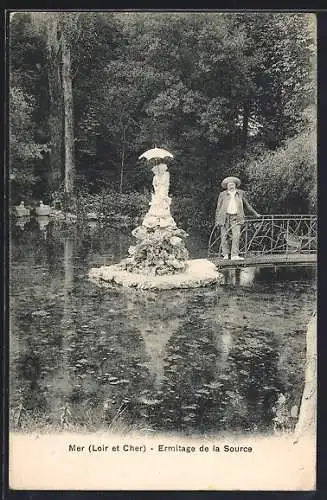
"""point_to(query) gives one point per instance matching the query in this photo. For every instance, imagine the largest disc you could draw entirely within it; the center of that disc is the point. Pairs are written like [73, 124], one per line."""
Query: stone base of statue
[160, 249]
[198, 273]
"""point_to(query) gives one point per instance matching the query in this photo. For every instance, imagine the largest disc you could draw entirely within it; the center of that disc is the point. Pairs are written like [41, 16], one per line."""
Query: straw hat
[231, 179]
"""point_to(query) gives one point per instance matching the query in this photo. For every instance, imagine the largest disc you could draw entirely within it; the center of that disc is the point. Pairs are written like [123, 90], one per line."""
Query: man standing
[230, 215]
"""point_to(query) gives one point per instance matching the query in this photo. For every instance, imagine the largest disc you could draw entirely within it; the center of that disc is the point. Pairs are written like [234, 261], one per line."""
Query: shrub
[188, 214]
[111, 204]
[284, 180]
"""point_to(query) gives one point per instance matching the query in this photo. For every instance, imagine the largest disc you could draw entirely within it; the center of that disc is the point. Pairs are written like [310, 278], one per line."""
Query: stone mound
[198, 273]
[158, 251]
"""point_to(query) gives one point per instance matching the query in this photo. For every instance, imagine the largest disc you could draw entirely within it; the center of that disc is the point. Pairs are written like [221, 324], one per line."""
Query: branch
[59, 45]
[75, 72]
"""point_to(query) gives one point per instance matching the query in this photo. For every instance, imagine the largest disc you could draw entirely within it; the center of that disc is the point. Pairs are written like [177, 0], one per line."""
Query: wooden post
[310, 232]
[246, 228]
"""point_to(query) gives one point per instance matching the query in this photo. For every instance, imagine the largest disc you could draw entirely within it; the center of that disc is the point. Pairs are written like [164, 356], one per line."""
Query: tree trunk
[306, 424]
[55, 120]
[245, 124]
[68, 118]
[122, 164]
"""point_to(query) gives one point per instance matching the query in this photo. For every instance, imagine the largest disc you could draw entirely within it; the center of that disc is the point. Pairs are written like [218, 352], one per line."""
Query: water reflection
[155, 329]
[22, 221]
[64, 376]
[239, 276]
[43, 221]
[190, 361]
[93, 225]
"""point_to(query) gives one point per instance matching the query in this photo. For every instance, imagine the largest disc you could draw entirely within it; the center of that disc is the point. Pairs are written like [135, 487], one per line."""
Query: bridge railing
[272, 234]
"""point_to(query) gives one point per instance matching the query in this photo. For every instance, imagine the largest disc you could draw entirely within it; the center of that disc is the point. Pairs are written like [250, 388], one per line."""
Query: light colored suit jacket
[241, 201]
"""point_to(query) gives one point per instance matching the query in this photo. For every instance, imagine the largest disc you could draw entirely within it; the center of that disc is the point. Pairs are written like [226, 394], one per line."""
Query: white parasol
[156, 153]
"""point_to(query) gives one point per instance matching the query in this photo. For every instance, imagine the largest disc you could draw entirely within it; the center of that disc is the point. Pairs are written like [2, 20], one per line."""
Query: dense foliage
[284, 181]
[223, 92]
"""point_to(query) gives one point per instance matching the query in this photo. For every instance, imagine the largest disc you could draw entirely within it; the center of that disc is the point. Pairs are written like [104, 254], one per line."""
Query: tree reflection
[63, 385]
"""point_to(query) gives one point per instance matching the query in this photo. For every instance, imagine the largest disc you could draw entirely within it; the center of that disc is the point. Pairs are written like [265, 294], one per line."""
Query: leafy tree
[284, 180]
[219, 90]
[24, 151]
[28, 137]
[283, 52]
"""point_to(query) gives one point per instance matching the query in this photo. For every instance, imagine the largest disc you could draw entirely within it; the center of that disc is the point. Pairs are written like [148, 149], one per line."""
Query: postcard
[163, 246]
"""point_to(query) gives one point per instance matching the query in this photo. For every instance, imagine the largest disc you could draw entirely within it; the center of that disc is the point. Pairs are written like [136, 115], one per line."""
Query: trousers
[230, 228]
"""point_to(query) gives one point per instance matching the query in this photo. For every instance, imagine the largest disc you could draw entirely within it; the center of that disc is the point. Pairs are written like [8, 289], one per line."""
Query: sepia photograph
[162, 172]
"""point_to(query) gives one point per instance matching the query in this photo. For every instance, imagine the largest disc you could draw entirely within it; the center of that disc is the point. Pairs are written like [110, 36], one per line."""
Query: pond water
[202, 361]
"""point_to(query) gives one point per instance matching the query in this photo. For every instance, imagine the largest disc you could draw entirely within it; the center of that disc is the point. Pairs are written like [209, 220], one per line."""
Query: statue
[160, 247]
[159, 212]
[161, 180]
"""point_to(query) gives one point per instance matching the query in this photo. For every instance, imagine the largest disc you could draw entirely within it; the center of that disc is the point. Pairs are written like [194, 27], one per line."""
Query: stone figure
[161, 180]
[159, 212]
[160, 247]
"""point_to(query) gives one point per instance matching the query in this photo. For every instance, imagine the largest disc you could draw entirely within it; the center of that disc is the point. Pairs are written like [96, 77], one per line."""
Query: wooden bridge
[271, 240]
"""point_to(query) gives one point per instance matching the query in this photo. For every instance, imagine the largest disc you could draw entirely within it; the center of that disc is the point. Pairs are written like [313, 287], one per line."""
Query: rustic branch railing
[272, 234]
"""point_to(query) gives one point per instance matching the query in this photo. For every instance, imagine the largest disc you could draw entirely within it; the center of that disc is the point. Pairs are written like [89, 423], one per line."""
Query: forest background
[225, 93]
